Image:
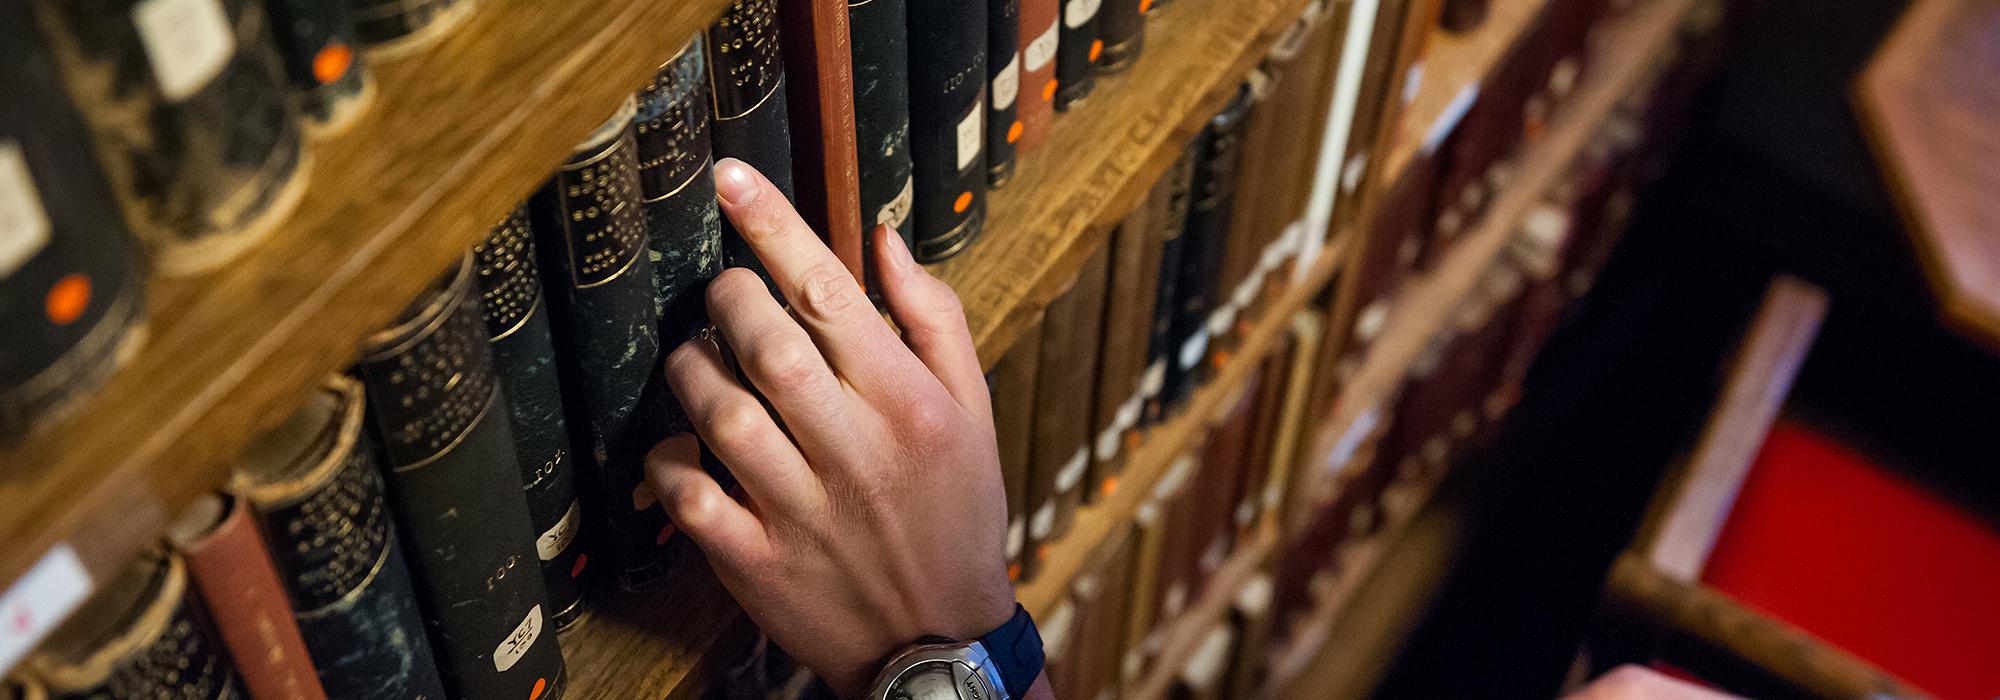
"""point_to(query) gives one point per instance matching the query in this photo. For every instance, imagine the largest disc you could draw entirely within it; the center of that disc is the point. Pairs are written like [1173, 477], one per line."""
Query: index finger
[857, 343]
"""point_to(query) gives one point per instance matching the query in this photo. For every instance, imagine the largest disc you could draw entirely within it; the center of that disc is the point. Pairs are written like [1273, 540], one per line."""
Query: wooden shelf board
[673, 642]
[1102, 158]
[1185, 633]
[1076, 550]
[1453, 62]
[1425, 303]
[1928, 101]
[459, 131]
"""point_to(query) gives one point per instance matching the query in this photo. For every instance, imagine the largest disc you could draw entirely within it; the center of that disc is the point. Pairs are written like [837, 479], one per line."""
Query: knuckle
[929, 420]
[825, 291]
[943, 300]
[788, 364]
[734, 426]
[733, 285]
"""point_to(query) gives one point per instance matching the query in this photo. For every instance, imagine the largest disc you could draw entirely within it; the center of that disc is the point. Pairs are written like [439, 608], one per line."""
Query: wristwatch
[997, 666]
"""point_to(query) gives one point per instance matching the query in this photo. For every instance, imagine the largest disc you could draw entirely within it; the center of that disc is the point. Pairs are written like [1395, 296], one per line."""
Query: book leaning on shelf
[455, 486]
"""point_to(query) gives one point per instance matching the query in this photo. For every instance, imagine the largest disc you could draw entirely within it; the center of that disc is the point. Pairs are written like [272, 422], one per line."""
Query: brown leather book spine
[1013, 389]
[1372, 109]
[1135, 263]
[1041, 23]
[1221, 481]
[1294, 431]
[234, 575]
[1068, 383]
[1250, 615]
[820, 92]
[1141, 605]
[1046, 455]
[1263, 430]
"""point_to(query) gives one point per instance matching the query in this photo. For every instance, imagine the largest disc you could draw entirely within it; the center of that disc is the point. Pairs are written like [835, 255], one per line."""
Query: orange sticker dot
[666, 533]
[1049, 91]
[1110, 486]
[1221, 358]
[1096, 48]
[541, 684]
[1133, 440]
[1014, 132]
[68, 299]
[576, 569]
[1013, 572]
[332, 62]
[1145, 5]
[964, 200]
[1041, 552]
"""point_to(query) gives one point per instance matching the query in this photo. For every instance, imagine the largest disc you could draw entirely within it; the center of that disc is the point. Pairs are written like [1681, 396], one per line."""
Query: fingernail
[678, 449]
[733, 181]
[898, 249]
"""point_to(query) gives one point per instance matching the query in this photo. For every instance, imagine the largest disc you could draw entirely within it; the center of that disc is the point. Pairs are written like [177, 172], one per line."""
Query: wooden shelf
[671, 643]
[1101, 159]
[1452, 64]
[459, 132]
[1185, 633]
[1425, 303]
[1070, 555]
[1928, 101]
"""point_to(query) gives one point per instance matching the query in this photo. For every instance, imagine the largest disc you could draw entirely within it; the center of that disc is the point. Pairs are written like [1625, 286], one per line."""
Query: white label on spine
[1017, 537]
[897, 210]
[1041, 50]
[39, 600]
[1128, 412]
[1218, 321]
[1107, 441]
[24, 225]
[559, 536]
[186, 41]
[517, 643]
[971, 134]
[1076, 12]
[1155, 379]
[1194, 348]
[1043, 521]
[1072, 470]
[1343, 449]
[1008, 83]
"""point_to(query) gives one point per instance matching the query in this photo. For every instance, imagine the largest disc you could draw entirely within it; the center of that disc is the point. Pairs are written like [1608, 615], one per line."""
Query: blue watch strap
[1016, 651]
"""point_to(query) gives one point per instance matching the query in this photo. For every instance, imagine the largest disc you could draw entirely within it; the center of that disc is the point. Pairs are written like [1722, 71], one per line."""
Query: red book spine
[1037, 112]
[820, 90]
[233, 573]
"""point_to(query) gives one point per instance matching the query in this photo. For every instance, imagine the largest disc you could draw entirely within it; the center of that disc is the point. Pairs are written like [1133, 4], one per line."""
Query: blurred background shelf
[1450, 72]
[1102, 158]
[459, 131]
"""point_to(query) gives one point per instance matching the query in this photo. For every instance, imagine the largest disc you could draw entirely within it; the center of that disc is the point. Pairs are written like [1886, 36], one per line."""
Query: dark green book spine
[591, 237]
[879, 36]
[1121, 25]
[1160, 345]
[524, 357]
[1077, 52]
[71, 296]
[199, 140]
[947, 125]
[1217, 154]
[1003, 75]
[455, 486]
[145, 635]
[746, 78]
[322, 59]
[316, 484]
[683, 225]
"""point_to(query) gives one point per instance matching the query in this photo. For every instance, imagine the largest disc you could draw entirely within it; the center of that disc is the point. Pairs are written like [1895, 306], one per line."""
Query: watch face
[937, 680]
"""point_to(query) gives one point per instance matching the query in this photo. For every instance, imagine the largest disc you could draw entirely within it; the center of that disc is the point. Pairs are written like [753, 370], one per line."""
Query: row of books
[183, 126]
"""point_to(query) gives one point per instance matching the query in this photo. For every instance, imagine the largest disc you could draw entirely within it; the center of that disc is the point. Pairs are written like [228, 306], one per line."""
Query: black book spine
[1218, 152]
[454, 485]
[391, 22]
[683, 225]
[524, 358]
[316, 41]
[746, 79]
[1121, 25]
[947, 132]
[878, 34]
[591, 236]
[1160, 345]
[144, 636]
[69, 272]
[189, 114]
[336, 549]
[1077, 51]
[1003, 72]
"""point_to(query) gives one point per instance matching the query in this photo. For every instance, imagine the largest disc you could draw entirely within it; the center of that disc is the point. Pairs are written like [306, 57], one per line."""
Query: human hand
[873, 511]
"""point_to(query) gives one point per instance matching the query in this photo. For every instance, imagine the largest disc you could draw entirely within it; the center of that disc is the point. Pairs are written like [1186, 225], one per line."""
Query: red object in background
[1827, 540]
